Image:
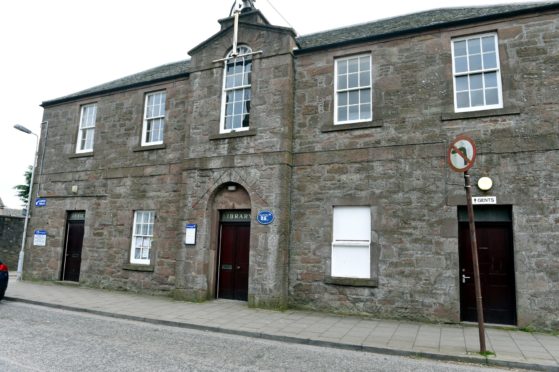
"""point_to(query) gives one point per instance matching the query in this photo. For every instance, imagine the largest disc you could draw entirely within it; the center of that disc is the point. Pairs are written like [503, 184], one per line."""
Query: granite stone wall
[396, 164]
[11, 231]
[296, 163]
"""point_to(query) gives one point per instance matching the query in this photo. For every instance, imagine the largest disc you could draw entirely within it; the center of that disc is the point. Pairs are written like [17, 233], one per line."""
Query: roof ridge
[413, 21]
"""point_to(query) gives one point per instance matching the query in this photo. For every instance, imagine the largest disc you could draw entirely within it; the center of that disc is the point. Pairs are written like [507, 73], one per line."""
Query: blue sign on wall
[40, 202]
[265, 217]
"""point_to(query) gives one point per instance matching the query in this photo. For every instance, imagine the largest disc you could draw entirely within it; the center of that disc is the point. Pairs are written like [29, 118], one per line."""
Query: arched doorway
[233, 215]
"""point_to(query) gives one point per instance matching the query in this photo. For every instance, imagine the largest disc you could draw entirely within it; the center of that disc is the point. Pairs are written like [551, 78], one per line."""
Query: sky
[51, 48]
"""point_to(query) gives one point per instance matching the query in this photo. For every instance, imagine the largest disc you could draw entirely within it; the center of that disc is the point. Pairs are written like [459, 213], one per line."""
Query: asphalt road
[35, 338]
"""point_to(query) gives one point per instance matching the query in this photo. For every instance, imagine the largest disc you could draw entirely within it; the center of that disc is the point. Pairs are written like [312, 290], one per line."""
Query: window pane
[246, 79]
[491, 97]
[365, 96]
[353, 112]
[229, 97]
[229, 82]
[342, 113]
[342, 67]
[463, 99]
[342, 82]
[342, 99]
[476, 81]
[460, 48]
[238, 80]
[477, 98]
[228, 122]
[461, 83]
[490, 79]
[461, 64]
[365, 111]
[354, 97]
[489, 60]
[237, 121]
[474, 46]
[475, 62]
[352, 80]
[364, 79]
[238, 108]
[228, 109]
[364, 64]
[353, 65]
[488, 43]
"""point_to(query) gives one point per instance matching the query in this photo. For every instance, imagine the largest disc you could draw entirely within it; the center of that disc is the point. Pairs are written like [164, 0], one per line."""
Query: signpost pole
[473, 241]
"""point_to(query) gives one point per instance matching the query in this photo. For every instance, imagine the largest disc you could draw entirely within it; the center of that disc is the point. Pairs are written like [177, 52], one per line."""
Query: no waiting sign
[461, 154]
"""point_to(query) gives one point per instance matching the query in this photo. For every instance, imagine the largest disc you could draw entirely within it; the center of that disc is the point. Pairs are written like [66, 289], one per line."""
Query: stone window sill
[81, 155]
[351, 282]
[446, 116]
[364, 125]
[149, 147]
[137, 267]
[243, 133]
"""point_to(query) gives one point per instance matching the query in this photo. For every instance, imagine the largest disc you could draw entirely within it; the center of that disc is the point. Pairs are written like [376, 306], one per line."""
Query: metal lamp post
[29, 197]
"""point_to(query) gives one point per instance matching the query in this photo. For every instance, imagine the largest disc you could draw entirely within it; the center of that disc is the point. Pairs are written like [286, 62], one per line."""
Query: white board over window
[351, 243]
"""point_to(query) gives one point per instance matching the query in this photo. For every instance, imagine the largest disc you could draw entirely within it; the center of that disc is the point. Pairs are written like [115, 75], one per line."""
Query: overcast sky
[51, 48]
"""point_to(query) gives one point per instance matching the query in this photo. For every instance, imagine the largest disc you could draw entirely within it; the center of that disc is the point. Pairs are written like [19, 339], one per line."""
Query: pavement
[448, 342]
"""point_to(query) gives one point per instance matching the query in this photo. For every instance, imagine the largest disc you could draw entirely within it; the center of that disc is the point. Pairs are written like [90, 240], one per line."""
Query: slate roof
[405, 24]
[416, 22]
[161, 73]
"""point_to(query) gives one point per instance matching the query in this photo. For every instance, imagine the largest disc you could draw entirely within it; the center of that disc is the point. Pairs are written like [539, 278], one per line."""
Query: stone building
[310, 171]
[11, 232]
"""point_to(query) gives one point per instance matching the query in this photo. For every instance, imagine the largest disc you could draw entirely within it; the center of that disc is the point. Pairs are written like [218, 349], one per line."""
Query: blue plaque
[40, 202]
[265, 217]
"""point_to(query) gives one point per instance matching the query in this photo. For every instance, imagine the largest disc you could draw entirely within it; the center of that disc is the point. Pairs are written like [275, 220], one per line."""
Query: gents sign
[461, 154]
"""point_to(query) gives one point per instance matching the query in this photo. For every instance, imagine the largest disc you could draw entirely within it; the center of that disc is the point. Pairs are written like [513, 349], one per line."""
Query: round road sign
[461, 154]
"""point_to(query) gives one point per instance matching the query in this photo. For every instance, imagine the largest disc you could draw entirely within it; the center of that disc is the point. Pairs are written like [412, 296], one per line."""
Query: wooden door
[496, 266]
[73, 250]
[233, 261]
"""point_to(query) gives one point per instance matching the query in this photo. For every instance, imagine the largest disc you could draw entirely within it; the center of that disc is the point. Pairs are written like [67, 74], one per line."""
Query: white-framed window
[477, 74]
[353, 100]
[142, 236]
[235, 103]
[86, 131]
[154, 119]
[351, 243]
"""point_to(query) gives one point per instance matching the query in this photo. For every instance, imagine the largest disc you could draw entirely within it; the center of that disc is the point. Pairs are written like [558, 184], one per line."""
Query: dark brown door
[73, 250]
[496, 266]
[233, 261]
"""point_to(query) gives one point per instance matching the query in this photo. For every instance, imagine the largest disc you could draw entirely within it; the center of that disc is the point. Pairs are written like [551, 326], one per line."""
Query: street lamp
[29, 197]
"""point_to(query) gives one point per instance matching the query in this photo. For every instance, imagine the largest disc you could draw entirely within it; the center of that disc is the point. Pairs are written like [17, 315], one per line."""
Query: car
[4, 275]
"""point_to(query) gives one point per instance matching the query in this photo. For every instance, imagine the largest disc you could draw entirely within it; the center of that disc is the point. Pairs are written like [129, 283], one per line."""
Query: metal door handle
[464, 277]
[238, 267]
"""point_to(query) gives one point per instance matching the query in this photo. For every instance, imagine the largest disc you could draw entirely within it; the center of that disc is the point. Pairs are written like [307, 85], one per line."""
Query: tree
[23, 190]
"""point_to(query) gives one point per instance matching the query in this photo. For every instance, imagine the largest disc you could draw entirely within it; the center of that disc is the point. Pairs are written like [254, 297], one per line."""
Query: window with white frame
[154, 119]
[477, 75]
[235, 105]
[142, 236]
[86, 131]
[351, 243]
[353, 99]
